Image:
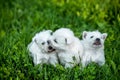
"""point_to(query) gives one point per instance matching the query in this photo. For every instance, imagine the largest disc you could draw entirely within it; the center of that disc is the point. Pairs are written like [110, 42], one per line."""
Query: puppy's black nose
[48, 41]
[50, 47]
[97, 39]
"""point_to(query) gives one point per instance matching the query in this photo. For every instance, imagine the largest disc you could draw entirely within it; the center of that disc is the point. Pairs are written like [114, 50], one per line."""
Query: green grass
[20, 20]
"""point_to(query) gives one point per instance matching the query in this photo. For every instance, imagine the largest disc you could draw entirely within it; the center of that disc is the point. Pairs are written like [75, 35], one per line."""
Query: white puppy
[93, 43]
[40, 49]
[68, 47]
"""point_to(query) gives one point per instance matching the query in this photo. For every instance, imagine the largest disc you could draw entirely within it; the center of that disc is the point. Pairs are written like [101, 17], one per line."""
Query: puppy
[67, 46]
[40, 49]
[93, 43]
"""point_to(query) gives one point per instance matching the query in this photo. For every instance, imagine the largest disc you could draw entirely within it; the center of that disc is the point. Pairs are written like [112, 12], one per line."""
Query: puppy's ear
[35, 41]
[35, 37]
[50, 31]
[104, 35]
[68, 40]
[84, 34]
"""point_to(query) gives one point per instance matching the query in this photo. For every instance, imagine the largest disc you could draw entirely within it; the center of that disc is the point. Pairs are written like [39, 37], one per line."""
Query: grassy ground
[21, 19]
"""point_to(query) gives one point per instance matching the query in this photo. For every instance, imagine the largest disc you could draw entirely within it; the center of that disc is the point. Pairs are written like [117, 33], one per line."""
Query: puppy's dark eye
[55, 40]
[91, 36]
[43, 43]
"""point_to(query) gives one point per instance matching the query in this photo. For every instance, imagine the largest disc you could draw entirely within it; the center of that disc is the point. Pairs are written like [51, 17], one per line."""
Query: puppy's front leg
[35, 59]
[69, 65]
[102, 62]
[53, 62]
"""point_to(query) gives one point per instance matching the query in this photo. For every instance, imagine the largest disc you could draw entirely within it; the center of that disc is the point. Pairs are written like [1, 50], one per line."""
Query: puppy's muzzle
[97, 41]
[50, 49]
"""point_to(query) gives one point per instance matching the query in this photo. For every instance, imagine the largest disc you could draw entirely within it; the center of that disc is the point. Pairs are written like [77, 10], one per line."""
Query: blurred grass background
[21, 19]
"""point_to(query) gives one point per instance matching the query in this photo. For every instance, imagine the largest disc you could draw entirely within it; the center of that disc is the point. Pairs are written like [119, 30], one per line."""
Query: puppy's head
[62, 38]
[94, 39]
[43, 42]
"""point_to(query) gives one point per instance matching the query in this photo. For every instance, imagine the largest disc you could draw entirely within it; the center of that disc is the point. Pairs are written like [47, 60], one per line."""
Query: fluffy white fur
[93, 43]
[40, 49]
[68, 47]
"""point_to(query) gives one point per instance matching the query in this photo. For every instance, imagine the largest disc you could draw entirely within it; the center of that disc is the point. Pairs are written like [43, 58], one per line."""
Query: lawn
[20, 20]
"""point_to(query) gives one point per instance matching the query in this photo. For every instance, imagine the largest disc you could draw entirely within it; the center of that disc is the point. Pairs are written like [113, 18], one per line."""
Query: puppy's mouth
[97, 43]
[52, 50]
